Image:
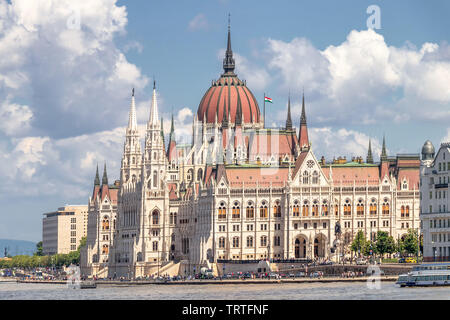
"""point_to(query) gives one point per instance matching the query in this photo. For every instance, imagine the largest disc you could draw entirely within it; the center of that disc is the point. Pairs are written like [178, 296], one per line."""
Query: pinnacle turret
[132, 122]
[383, 156]
[97, 178]
[369, 153]
[228, 61]
[105, 176]
[289, 119]
[154, 118]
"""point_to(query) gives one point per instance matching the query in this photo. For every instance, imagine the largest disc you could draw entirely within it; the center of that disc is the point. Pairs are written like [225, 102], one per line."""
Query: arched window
[222, 242]
[347, 208]
[222, 212]
[133, 178]
[190, 175]
[155, 245]
[315, 208]
[134, 160]
[296, 209]
[277, 209]
[155, 217]
[263, 241]
[199, 174]
[105, 249]
[105, 223]
[373, 208]
[236, 211]
[250, 210]
[235, 242]
[305, 177]
[324, 208]
[402, 211]
[336, 209]
[315, 177]
[249, 242]
[385, 208]
[263, 210]
[407, 212]
[360, 208]
[305, 209]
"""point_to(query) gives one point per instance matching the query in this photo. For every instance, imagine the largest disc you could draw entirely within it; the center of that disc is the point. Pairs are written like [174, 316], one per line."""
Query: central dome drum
[226, 94]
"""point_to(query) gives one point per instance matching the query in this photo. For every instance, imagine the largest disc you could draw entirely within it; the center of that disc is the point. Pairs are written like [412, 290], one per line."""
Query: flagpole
[264, 117]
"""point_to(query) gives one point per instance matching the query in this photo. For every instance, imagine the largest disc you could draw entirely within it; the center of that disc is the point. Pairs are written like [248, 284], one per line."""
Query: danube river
[279, 291]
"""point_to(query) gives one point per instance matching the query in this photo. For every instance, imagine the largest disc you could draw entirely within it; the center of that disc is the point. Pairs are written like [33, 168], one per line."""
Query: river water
[278, 291]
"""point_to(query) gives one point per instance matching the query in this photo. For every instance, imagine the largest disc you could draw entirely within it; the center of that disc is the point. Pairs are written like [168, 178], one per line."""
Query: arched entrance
[300, 248]
[319, 246]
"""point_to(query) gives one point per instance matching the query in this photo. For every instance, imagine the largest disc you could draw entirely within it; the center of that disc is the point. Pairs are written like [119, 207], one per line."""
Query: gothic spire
[303, 134]
[154, 118]
[172, 131]
[383, 150]
[97, 178]
[288, 119]
[132, 122]
[105, 176]
[369, 153]
[303, 116]
[228, 61]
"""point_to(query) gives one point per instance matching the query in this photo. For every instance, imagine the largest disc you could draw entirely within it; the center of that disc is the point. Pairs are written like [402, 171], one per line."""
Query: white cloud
[199, 22]
[133, 45]
[14, 118]
[332, 143]
[362, 80]
[62, 60]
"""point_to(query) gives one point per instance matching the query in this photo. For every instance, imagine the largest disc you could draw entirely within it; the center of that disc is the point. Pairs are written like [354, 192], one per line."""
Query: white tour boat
[428, 274]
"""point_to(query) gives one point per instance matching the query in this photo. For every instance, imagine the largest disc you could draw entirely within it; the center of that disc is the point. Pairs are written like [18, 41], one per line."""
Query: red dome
[224, 96]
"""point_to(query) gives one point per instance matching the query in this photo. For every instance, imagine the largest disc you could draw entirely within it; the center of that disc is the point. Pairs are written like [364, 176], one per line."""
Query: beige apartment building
[63, 229]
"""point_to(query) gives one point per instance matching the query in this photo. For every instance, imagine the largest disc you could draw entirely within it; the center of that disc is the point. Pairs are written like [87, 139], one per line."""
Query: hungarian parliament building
[239, 191]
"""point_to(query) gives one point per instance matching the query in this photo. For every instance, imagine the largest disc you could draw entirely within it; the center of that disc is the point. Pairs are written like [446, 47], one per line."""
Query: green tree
[410, 242]
[39, 249]
[359, 242]
[383, 244]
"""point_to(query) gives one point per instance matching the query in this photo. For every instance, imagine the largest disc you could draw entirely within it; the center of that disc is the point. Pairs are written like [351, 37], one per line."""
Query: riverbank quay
[221, 281]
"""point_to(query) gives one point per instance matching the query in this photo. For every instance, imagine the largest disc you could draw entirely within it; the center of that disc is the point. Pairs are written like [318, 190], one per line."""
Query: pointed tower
[289, 119]
[172, 150]
[155, 154]
[97, 178]
[383, 156]
[228, 61]
[303, 139]
[132, 156]
[369, 153]
[105, 176]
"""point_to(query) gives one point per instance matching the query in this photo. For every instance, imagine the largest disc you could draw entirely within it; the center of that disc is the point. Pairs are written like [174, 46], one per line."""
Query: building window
[277, 209]
[155, 217]
[373, 208]
[105, 249]
[305, 178]
[296, 209]
[222, 212]
[347, 208]
[221, 242]
[407, 211]
[360, 208]
[250, 211]
[324, 208]
[249, 242]
[235, 242]
[385, 208]
[315, 209]
[264, 241]
[236, 211]
[305, 209]
[155, 245]
[263, 210]
[277, 241]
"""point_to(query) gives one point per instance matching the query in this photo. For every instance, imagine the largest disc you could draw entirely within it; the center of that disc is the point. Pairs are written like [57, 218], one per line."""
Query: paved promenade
[221, 282]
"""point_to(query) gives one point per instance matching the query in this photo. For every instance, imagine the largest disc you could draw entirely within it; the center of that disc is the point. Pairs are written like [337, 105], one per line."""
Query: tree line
[40, 260]
[384, 243]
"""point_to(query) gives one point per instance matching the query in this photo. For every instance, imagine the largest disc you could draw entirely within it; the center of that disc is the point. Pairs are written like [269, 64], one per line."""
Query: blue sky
[65, 90]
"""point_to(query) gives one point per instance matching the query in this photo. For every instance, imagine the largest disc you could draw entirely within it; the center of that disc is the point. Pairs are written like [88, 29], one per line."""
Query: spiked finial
[289, 119]
[105, 176]
[303, 116]
[228, 61]
[97, 178]
[383, 156]
[369, 153]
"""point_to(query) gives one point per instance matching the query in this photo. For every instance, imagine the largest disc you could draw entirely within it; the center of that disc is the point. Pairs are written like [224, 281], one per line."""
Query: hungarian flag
[267, 99]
